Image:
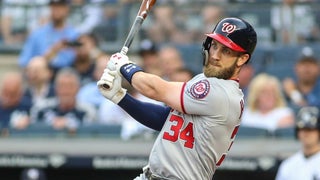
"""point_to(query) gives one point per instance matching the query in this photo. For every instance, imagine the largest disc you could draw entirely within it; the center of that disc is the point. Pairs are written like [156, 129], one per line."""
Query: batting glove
[110, 86]
[121, 64]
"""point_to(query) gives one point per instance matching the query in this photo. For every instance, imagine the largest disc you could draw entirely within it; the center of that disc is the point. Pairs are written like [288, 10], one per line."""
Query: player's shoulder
[201, 86]
[202, 77]
[213, 81]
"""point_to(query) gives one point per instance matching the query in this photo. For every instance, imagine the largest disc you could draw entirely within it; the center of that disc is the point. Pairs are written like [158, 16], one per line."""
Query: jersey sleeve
[204, 97]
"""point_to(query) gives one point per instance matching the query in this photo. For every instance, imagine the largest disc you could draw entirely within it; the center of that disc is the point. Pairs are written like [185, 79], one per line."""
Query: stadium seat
[36, 130]
[99, 131]
[282, 60]
[192, 56]
[284, 133]
[260, 58]
[252, 132]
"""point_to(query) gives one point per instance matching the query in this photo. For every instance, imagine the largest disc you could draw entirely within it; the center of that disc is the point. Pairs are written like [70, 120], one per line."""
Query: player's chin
[210, 71]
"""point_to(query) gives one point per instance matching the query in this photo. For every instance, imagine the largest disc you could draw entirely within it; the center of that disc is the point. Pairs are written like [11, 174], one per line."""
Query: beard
[225, 73]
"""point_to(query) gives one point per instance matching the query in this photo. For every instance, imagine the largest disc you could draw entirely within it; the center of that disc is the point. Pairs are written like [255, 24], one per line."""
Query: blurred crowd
[62, 56]
[175, 21]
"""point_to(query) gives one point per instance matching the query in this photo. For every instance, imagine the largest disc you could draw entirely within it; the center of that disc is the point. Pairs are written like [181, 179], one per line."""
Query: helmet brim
[226, 41]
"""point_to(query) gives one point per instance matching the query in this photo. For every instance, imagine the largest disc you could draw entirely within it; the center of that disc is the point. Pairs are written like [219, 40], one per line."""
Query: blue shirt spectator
[89, 93]
[52, 40]
[313, 98]
[42, 39]
[305, 89]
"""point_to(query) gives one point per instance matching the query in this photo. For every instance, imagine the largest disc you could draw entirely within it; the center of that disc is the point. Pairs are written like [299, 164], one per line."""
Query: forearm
[147, 84]
[154, 87]
[150, 85]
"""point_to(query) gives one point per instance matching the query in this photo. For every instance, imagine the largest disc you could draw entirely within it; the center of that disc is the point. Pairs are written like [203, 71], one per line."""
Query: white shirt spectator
[267, 121]
[300, 167]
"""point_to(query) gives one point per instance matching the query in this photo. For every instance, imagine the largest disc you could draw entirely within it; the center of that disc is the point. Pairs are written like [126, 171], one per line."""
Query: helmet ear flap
[205, 55]
[205, 50]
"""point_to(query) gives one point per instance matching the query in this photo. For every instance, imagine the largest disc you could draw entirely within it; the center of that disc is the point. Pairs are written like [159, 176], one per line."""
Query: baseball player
[304, 164]
[202, 116]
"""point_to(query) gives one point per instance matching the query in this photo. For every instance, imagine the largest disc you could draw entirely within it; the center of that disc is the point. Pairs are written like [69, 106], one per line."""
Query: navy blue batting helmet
[235, 33]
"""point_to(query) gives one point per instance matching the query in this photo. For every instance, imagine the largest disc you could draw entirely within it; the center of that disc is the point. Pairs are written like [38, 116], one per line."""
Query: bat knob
[106, 86]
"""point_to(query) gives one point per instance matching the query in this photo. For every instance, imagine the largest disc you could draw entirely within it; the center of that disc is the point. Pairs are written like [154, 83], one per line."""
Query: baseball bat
[144, 9]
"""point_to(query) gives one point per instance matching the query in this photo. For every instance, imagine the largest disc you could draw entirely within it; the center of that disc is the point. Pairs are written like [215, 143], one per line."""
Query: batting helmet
[235, 33]
[308, 118]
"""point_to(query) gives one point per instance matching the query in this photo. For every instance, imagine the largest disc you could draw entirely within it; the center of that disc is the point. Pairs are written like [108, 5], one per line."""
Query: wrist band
[128, 70]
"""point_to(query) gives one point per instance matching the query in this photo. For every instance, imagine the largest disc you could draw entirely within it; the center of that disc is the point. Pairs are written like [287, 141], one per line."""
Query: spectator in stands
[211, 15]
[150, 57]
[305, 89]
[293, 23]
[38, 78]
[305, 163]
[14, 109]
[163, 25]
[171, 60]
[266, 107]
[20, 17]
[53, 40]
[108, 28]
[245, 76]
[87, 53]
[85, 15]
[182, 75]
[89, 93]
[64, 111]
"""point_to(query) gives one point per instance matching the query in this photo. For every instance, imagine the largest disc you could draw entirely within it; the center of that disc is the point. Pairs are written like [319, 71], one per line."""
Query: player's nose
[215, 54]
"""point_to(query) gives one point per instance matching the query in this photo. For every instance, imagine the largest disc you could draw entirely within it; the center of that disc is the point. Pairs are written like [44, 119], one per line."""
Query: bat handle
[133, 31]
[124, 50]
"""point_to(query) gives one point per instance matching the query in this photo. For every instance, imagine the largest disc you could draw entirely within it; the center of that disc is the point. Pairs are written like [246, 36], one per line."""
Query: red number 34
[175, 132]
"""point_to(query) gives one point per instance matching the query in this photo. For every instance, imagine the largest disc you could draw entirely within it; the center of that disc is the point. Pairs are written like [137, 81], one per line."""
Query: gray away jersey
[192, 144]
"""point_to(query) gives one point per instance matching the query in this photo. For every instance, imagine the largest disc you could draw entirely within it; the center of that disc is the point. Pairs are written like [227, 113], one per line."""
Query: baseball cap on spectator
[307, 56]
[308, 59]
[51, 2]
[147, 47]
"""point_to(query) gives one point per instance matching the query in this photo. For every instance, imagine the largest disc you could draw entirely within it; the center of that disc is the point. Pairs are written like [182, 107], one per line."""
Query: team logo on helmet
[200, 89]
[228, 28]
